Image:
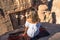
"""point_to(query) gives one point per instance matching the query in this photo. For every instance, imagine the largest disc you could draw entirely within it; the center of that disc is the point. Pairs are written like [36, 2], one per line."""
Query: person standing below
[32, 24]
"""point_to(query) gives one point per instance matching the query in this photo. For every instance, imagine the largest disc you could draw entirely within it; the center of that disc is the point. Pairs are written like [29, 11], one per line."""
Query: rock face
[56, 10]
[5, 24]
[41, 11]
[48, 17]
[15, 5]
[55, 37]
[11, 6]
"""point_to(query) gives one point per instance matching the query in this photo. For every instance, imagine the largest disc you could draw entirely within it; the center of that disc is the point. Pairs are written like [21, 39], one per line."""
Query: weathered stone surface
[48, 17]
[14, 21]
[12, 6]
[56, 10]
[41, 11]
[55, 37]
[5, 24]
[17, 20]
[15, 5]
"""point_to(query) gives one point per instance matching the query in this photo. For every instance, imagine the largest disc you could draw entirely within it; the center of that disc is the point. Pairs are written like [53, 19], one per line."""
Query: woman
[32, 24]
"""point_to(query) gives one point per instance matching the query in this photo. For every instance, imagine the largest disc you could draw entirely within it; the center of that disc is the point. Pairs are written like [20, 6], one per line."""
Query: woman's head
[44, 1]
[33, 15]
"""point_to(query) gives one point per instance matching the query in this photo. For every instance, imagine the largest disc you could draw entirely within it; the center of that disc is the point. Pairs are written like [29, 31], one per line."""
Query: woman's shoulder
[39, 23]
[27, 22]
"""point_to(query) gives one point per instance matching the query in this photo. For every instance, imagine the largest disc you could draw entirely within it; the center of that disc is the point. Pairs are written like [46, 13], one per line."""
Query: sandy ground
[51, 28]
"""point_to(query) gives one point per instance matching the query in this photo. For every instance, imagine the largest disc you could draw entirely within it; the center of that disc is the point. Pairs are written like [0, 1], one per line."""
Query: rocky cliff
[7, 7]
[56, 10]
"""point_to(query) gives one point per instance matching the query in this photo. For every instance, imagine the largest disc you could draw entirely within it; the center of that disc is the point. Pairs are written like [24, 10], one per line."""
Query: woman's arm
[25, 31]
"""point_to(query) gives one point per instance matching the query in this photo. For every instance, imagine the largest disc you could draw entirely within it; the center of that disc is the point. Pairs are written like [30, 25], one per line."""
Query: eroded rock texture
[56, 10]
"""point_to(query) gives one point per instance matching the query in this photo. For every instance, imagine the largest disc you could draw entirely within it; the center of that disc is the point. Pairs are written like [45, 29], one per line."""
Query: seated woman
[32, 24]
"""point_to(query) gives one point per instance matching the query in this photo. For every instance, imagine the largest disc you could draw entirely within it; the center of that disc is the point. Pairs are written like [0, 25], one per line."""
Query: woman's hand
[24, 34]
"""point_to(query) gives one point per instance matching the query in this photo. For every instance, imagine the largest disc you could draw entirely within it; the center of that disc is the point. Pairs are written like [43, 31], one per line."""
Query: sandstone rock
[5, 25]
[15, 5]
[56, 9]
[48, 16]
[41, 11]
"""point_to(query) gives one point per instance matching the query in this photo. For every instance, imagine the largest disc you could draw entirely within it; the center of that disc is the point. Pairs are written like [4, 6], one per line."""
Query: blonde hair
[33, 15]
